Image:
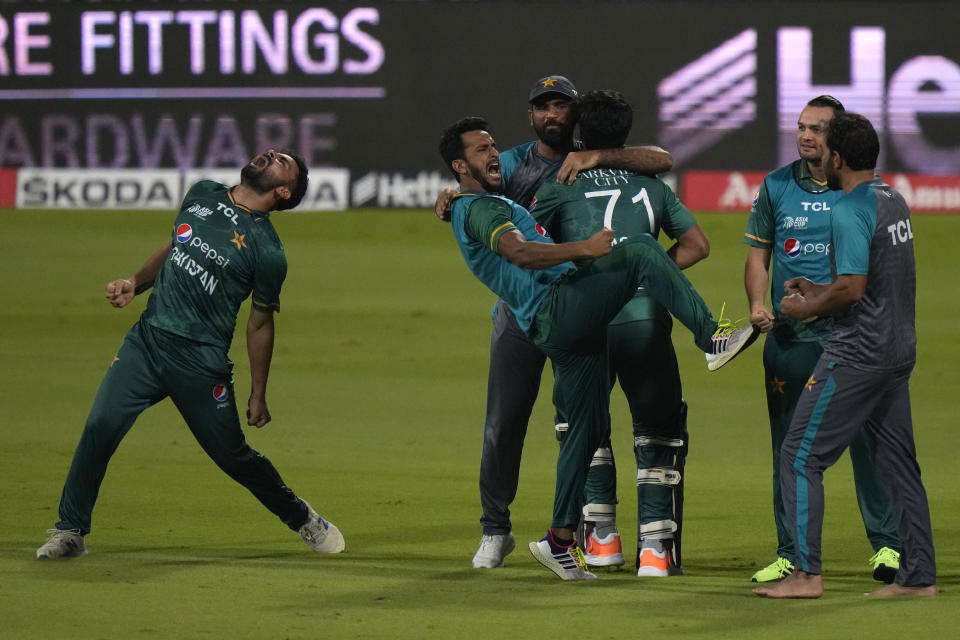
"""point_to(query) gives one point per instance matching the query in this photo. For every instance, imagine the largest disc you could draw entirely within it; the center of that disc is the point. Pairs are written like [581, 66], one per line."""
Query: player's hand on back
[600, 243]
[574, 163]
[442, 206]
[119, 293]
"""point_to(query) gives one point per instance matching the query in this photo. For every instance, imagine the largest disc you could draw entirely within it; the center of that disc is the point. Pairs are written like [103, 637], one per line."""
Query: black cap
[553, 84]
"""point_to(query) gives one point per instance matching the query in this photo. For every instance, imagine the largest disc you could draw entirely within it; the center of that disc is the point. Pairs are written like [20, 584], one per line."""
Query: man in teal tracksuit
[790, 224]
[223, 249]
[861, 383]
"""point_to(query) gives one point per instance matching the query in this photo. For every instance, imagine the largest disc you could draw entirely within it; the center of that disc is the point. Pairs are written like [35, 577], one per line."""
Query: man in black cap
[516, 364]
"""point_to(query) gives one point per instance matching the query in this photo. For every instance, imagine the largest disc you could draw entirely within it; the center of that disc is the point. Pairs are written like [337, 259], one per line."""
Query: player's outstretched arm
[260, 332]
[646, 159]
[543, 255]
[119, 293]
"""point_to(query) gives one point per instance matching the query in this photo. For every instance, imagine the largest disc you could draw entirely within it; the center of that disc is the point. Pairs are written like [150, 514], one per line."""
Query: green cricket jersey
[629, 203]
[790, 217]
[221, 253]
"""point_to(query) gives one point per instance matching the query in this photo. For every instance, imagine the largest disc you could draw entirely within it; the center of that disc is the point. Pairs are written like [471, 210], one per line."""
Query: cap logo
[549, 82]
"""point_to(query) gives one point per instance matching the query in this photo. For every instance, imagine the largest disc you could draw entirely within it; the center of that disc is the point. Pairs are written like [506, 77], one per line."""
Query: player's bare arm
[119, 293]
[645, 159]
[756, 281]
[690, 248]
[260, 333]
[543, 255]
[824, 300]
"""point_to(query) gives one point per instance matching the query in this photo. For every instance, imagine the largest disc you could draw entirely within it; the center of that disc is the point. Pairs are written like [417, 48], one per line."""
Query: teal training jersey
[873, 237]
[629, 203]
[478, 222]
[791, 218]
[523, 170]
[221, 253]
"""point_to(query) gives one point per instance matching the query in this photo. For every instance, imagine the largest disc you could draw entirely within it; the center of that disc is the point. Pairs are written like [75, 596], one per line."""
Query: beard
[833, 177]
[556, 136]
[480, 175]
[257, 178]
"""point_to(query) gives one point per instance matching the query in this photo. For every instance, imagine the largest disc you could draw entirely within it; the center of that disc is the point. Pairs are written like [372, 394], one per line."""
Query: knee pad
[602, 457]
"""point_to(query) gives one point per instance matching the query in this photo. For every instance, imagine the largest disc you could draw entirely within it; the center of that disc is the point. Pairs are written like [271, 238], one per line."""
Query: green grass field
[377, 393]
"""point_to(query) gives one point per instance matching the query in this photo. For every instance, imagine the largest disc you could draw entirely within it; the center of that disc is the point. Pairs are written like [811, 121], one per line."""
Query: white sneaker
[727, 343]
[493, 549]
[62, 544]
[566, 562]
[320, 535]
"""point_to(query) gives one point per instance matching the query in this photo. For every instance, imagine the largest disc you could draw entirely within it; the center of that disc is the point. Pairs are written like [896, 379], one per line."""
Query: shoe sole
[72, 554]
[771, 581]
[558, 571]
[335, 537]
[884, 574]
[612, 560]
[719, 362]
[511, 545]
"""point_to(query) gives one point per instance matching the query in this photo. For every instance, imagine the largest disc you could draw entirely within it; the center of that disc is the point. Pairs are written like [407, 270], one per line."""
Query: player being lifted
[639, 345]
[565, 309]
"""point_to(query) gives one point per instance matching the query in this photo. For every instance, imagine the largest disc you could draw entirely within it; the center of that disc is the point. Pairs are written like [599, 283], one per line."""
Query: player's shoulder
[207, 188]
[515, 156]
[520, 151]
[782, 176]
[491, 203]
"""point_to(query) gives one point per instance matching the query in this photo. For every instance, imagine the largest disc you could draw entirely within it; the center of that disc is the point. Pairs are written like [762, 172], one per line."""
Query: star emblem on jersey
[549, 82]
[238, 240]
[776, 384]
[810, 383]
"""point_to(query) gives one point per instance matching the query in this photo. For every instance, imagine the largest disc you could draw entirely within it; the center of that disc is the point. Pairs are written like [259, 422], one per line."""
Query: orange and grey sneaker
[603, 552]
[654, 560]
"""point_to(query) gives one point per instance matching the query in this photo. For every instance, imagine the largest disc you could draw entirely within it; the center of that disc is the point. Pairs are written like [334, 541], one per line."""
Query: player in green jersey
[639, 345]
[789, 225]
[223, 249]
[565, 309]
[861, 383]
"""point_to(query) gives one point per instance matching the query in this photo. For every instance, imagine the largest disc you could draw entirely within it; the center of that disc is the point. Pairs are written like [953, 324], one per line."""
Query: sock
[560, 542]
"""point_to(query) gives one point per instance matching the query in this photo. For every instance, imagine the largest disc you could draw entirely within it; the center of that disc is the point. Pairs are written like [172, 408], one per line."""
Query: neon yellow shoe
[774, 572]
[886, 563]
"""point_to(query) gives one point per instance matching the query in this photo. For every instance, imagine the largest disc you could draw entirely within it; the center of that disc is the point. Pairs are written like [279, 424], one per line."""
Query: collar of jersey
[253, 212]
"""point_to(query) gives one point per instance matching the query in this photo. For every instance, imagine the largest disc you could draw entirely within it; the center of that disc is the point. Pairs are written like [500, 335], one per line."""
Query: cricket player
[516, 364]
[861, 381]
[789, 225]
[565, 310]
[223, 249]
[640, 348]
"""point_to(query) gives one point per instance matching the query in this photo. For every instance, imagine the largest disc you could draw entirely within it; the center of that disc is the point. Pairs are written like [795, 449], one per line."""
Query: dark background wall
[368, 86]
